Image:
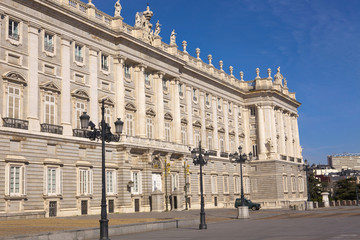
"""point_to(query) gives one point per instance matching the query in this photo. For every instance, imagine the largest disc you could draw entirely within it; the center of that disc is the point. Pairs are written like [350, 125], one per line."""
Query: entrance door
[156, 182]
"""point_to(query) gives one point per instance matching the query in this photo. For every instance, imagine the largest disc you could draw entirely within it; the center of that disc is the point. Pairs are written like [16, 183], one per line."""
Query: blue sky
[316, 43]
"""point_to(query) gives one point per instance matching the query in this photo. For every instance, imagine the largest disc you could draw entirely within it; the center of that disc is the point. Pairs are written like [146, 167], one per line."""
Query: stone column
[33, 82]
[236, 122]
[160, 123]
[189, 113]
[93, 80]
[281, 131]
[226, 121]
[140, 99]
[289, 145]
[65, 87]
[274, 151]
[246, 117]
[261, 132]
[294, 141]
[215, 124]
[203, 119]
[120, 89]
[297, 138]
[176, 110]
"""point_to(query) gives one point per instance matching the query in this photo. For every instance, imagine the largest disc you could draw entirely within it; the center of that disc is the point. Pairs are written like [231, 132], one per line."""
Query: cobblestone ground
[37, 226]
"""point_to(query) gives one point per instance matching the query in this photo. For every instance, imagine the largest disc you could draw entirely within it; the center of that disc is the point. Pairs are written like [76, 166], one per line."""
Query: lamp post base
[202, 224]
[309, 205]
[243, 212]
[104, 229]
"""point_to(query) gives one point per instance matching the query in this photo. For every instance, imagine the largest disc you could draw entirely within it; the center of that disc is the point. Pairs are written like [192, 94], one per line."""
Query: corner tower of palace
[60, 58]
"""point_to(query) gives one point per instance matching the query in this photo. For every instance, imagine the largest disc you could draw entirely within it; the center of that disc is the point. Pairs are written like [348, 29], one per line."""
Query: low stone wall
[22, 215]
[93, 233]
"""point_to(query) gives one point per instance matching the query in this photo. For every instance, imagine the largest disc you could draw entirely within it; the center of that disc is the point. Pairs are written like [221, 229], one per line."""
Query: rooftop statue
[173, 37]
[117, 9]
[138, 22]
[157, 28]
[278, 77]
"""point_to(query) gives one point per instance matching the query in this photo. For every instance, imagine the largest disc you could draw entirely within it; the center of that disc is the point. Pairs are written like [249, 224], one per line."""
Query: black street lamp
[240, 158]
[307, 169]
[105, 135]
[167, 170]
[186, 172]
[201, 159]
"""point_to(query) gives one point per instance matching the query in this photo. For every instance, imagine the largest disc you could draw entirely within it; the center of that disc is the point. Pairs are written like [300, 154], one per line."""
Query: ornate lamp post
[186, 172]
[200, 159]
[105, 135]
[167, 170]
[240, 158]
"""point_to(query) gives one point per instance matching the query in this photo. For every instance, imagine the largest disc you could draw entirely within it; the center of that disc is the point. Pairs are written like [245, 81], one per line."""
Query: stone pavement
[220, 221]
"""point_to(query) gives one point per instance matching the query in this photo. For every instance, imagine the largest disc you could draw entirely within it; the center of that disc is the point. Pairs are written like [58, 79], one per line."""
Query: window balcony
[195, 99]
[212, 153]
[79, 58]
[283, 157]
[50, 128]
[16, 123]
[105, 67]
[81, 133]
[49, 47]
[181, 94]
[224, 154]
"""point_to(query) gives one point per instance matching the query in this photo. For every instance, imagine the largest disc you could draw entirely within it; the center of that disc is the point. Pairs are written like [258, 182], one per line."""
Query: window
[214, 188]
[207, 99]
[79, 109]
[219, 103]
[111, 182]
[107, 115]
[255, 150]
[79, 53]
[129, 124]
[167, 132]
[301, 184]
[247, 185]
[236, 184]
[53, 180]
[194, 94]
[164, 84]
[149, 128]
[183, 134]
[136, 178]
[197, 137]
[16, 179]
[181, 92]
[104, 62]
[210, 141]
[174, 181]
[85, 181]
[14, 30]
[49, 109]
[221, 143]
[127, 71]
[13, 107]
[226, 184]
[293, 184]
[285, 183]
[232, 146]
[252, 111]
[147, 78]
[48, 42]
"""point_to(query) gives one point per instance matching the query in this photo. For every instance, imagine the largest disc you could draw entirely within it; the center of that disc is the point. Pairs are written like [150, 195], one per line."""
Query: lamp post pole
[186, 169]
[166, 188]
[201, 160]
[105, 135]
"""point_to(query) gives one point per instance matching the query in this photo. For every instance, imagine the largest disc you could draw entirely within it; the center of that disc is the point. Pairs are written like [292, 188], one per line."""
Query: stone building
[60, 58]
[344, 161]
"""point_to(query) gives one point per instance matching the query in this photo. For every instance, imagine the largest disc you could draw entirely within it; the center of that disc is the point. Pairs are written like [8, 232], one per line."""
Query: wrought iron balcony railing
[16, 123]
[81, 133]
[224, 154]
[79, 58]
[283, 157]
[212, 153]
[292, 159]
[50, 128]
[49, 47]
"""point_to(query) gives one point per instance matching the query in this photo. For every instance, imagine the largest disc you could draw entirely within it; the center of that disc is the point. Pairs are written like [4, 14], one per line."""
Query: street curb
[94, 233]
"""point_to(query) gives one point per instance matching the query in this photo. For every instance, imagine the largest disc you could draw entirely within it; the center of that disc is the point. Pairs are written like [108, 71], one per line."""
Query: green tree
[345, 189]
[315, 188]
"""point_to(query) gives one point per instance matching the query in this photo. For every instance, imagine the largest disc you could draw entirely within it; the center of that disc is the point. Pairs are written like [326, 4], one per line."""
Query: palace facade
[60, 58]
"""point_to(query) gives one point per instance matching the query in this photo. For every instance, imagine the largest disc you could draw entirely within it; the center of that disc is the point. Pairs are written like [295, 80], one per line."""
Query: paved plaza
[324, 223]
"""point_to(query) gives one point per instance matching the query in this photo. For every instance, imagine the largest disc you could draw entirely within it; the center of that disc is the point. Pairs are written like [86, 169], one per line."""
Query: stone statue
[157, 29]
[117, 9]
[285, 83]
[173, 37]
[278, 76]
[138, 20]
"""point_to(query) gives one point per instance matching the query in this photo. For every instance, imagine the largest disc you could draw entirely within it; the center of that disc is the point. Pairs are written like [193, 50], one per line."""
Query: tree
[345, 189]
[315, 188]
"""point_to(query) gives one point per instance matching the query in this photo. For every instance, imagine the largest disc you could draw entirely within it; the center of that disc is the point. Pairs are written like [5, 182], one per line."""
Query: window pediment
[210, 127]
[15, 78]
[221, 130]
[232, 133]
[130, 107]
[79, 93]
[150, 112]
[168, 116]
[197, 123]
[184, 121]
[50, 86]
[107, 101]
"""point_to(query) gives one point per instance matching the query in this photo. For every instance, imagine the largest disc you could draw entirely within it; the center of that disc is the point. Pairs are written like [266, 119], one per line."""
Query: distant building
[344, 161]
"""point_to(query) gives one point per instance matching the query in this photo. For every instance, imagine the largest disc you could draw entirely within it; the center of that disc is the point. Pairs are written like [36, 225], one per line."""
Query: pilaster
[226, 125]
[140, 98]
[65, 87]
[158, 77]
[261, 132]
[215, 123]
[297, 138]
[236, 122]
[33, 83]
[282, 143]
[176, 109]
[93, 80]
[189, 113]
[246, 124]
[119, 84]
[203, 119]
